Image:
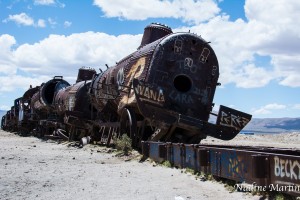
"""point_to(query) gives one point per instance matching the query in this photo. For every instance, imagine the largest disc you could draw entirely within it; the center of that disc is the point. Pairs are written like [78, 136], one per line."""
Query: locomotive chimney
[85, 74]
[153, 32]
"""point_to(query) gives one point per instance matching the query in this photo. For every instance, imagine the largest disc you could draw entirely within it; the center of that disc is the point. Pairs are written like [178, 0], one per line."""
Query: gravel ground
[36, 169]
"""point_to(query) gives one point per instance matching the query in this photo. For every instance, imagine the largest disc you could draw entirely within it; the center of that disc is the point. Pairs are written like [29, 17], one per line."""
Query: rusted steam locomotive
[162, 92]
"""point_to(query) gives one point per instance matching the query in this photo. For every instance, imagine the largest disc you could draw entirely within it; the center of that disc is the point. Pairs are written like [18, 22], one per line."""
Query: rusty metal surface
[187, 78]
[272, 169]
[154, 32]
[43, 98]
[73, 99]
[232, 118]
[85, 74]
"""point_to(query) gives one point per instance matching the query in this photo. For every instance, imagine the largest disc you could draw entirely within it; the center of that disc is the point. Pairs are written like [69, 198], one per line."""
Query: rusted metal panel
[85, 74]
[239, 165]
[73, 100]
[268, 168]
[232, 118]
[285, 173]
[260, 166]
[154, 32]
[203, 160]
[177, 157]
[190, 157]
[158, 151]
[145, 148]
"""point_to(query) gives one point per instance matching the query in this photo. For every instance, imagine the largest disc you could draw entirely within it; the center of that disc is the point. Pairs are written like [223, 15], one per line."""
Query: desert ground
[32, 168]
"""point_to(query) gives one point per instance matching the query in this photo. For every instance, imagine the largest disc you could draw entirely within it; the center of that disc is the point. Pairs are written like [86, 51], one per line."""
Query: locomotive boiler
[73, 105]
[43, 114]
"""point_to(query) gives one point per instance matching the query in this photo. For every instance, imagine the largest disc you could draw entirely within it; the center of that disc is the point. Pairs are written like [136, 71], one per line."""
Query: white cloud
[52, 22]
[296, 106]
[4, 107]
[187, 10]
[25, 20]
[58, 53]
[7, 60]
[61, 55]
[251, 76]
[61, 5]
[267, 109]
[274, 11]
[10, 83]
[282, 35]
[44, 2]
[49, 3]
[261, 111]
[272, 30]
[275, 106]
[21, 19]
[41, 23]
[67, 24]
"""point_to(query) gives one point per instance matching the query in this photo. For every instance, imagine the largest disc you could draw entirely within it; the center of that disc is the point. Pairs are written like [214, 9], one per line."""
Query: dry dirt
[35, 169]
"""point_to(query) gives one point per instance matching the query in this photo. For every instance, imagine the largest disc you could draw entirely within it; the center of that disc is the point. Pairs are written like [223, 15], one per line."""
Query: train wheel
[128, 125]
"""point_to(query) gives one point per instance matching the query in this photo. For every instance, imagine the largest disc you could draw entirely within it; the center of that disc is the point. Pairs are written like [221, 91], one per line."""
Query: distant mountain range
[269, 125]
[260, 125]
[273, 125]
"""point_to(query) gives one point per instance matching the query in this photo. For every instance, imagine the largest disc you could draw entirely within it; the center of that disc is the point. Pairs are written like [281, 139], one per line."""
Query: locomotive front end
[186, 69]
[177, 93]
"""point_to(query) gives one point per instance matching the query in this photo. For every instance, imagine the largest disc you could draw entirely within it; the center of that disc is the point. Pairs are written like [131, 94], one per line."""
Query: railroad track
[263, 168]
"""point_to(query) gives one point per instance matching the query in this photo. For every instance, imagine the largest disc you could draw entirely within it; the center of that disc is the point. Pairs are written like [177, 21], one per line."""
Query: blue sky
[257, 44]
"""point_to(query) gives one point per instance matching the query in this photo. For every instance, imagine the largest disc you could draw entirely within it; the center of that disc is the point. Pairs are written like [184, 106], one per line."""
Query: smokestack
[85, 74]
[153, 32]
